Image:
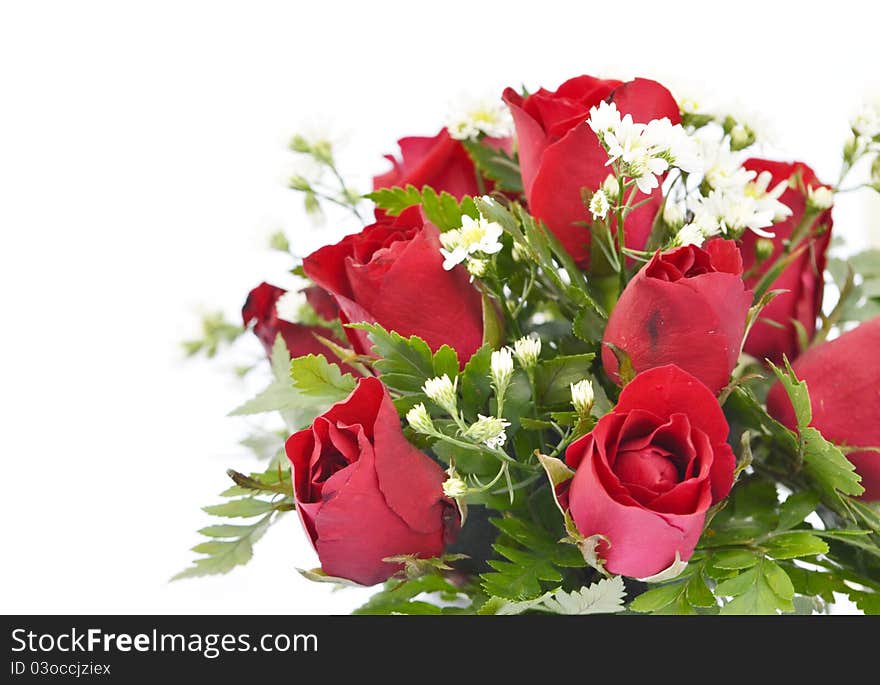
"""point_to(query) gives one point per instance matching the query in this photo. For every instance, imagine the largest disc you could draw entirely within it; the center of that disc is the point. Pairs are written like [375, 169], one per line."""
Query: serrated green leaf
[224, 555]
[245, 507]
[553, 377]
[405, 363]
[795, 544]
[657, 598]
[399, 596]
[796, 508]
[734, 559]
[698, 593]
[495, 165]
[225, 530]
[604, 597]
[442, 210]
[770, 591]
[737, 585]
[315, 377]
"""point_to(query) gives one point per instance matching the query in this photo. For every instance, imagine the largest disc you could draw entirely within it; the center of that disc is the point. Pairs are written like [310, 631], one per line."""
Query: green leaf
[698, 593]
[530, 554]
[796, 508]
[496, 165]
[398, 596]
[315, 377]
[604, 597]
[765, 589]
[553, 377]
[823, 461]
[245, 507]
[442, 210]
[224, 555]
[475, 387]
[795, 544]
[405, 363]
[657, 598]
[734, 559]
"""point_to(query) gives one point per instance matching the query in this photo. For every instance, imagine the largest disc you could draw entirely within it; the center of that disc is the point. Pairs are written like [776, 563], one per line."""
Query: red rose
[686, 307]
[774, 334]
[843, 379]
[363, 492]
[440, 162]
[300, 339]
[649, 471]
[559, 154]
[392, 273]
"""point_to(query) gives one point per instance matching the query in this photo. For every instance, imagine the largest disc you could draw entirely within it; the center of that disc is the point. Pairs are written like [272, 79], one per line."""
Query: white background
[142, 166]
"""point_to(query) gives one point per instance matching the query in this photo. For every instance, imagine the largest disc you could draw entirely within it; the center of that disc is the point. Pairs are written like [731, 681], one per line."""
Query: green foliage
[858, 282]
[406, 363]
[442, 209]
[829, 469]
[216, 332]
[315, 377]
[230, 545]
[496, 165]
[398, 596]
[765, 588]
[297, 408]
[553, 377]
[531, 555]
[604, 597]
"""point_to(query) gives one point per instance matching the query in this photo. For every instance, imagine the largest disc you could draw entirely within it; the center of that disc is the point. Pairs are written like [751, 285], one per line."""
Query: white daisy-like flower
[767, 198]
[604, 118]
[475, 235]
[599, 204]
[734, 212]
[527, 350]
[721, 167]
[489, 430]
[690, 234]
[482, 117]
[672, 142]
[289, 305]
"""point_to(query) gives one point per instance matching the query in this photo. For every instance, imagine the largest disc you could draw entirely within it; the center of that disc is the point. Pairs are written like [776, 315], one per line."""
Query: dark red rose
[440, 162]
[648, 472]
[559, 153]
[688, 307]
[363, 492]
[300, 339]
[392, 273]
[843, 379]
[774, 334]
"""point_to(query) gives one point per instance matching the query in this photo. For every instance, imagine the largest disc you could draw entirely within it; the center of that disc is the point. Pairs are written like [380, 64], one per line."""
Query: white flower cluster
[738, 199]
[646, 151]
[474, 236]
[866, 123]
[489, 430]
[489, 118]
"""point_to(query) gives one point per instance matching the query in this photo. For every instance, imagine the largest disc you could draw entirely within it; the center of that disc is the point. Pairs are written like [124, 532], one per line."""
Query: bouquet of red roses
[577, 361]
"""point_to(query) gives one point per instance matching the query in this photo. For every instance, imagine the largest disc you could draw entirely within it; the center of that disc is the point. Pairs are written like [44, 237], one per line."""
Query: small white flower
[721, 167]
[442, 392]
[420, 420]
[690, 234]
[454, 487]
[476, 267]
[673, 214]
[604, 118]
[475, 235]
[673, 144]
[599, 204]
[483, 117]
[501, 368]
[767, 199]
[289, 305]
[866, 122]
[488, 430]
[582, 397]
[820, 198]
[610, 186]
[527, 350]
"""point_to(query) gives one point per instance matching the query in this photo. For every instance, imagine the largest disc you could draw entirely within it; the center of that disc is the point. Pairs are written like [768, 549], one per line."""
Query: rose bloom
[688, 307]
[392, 273]
[300, 339]
[559, 153]
[843, 379]
[440, 162]
[774, 334]
[364, 493]
[648, 472]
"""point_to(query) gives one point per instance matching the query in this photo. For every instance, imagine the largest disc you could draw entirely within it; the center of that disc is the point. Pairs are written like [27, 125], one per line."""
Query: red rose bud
[392, 273]
[774, 334]
[560, 154]
[686, 307]
[439, 161]
[363, 492]
[260, 307]
[843, 379]
[648, 472]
